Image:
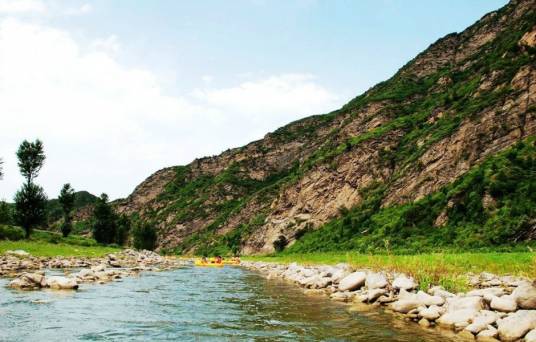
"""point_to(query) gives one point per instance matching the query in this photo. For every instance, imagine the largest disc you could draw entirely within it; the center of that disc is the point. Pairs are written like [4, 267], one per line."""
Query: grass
[48, 244]
[447, 270]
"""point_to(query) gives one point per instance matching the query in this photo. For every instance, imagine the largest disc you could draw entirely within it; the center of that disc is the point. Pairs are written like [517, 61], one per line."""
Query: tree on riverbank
[144, 236]
[66, 200]
[30, 200]
[104, 221]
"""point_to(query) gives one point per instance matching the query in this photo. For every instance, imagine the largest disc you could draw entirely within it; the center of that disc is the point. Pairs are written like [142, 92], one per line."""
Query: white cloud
[83, 9]
[106, 127]
[21, 6]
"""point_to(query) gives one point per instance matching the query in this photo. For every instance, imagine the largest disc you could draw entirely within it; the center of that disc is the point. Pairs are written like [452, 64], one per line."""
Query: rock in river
[352, 281]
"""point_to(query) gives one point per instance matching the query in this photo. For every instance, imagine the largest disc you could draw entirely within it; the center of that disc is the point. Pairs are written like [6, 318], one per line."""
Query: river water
[193, 304]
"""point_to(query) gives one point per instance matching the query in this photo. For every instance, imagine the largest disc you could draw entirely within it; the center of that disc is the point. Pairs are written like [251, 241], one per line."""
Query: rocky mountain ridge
[466, 98]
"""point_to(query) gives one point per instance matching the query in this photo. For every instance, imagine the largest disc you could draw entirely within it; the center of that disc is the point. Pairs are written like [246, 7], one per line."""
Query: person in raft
[204, 260]
[218, 260]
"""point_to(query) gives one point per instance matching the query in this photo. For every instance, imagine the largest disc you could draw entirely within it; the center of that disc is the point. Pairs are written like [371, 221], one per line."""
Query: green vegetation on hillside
[492, 205]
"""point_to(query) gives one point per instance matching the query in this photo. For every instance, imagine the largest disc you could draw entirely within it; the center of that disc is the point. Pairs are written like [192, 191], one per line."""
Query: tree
[30, 207]
[31, 157]
[31, 200]
[104, 221]
[6, 213]
[144, 236]
[66, 200]
[123, 228]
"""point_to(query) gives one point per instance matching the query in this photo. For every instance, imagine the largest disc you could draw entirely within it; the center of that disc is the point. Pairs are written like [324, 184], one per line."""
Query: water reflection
[193, 304]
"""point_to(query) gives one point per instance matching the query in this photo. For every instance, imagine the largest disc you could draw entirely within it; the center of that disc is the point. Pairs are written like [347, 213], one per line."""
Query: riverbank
[446, 269]
[29, 272]
[492, 308]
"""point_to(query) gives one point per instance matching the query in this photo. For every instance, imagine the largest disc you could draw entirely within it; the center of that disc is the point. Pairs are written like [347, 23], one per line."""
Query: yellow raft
[207, 264]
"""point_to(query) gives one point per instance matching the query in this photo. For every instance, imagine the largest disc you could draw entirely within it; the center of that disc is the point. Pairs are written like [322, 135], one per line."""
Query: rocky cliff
[329, 180]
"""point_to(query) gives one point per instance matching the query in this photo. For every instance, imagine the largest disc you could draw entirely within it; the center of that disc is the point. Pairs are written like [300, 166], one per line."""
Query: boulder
[425, 299]
[481, 322]
[531, 336]
[459, 303]
[338, 274]
[404, 282]
[423, 322]
[504, 304]
[374, 294]
[489, 333]
[61, 283]
[457, 318]
[28, 281]
[376, 281]
[353, 281]
[340, 296]
[516, 325]
[432, 313]
[487, 293]
[525, 296]
[405, 305]
[439, 291]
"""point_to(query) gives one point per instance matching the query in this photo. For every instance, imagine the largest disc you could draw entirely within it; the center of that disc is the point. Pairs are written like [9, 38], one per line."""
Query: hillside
[441, 155]
[83, 202]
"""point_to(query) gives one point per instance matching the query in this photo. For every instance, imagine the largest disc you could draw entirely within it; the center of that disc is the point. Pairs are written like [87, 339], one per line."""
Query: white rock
[338, 274]
[353, 281]
[525, 296]
[482, 321]
[374, 294]
[439, 291]
[61, 283]
[376, 281]
[405, 305]
[404, 282]
[460, 303]
[431, 314]
[458, 318]
[516, 325]
[531, 336]
[18, 253]
[489, 332]
[487, 293]
[504, 304]
[428, 300]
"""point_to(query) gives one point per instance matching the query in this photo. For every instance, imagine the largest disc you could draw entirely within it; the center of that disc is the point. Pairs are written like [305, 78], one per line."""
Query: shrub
[144, 236]
[11, 233]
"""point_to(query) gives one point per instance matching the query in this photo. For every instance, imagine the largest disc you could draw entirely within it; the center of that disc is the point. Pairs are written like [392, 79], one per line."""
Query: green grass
[448, 270]
[48, 244]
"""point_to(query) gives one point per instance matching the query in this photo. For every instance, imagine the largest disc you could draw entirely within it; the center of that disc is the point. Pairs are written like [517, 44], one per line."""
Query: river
[193, 304]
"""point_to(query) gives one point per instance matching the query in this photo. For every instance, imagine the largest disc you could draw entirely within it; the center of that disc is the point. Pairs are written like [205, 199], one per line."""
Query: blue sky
[119, 89]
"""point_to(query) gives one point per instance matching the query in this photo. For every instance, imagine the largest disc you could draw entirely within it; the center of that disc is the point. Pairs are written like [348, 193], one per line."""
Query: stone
[525, 296]
[353, 281]
[376, 281]
[423, 322]
[340, 296]
[374, 294]
[531, 336]
[466, 335]
[405, 305]
[439, 291]
[61, 283]
[432, 313]
[404, 282]
[19, 253]
[338, 274]
[459, 303]
[482, 321]
[428, 300]
[504, 304]
[489, 332]
[516, 325]
[458, 318]
[487, 293]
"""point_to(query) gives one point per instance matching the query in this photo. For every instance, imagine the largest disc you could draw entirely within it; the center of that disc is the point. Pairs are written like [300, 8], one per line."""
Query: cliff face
[463, 100]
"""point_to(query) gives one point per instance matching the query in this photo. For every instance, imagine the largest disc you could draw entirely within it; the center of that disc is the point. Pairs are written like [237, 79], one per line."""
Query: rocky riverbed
[499, 308]
[30, 273]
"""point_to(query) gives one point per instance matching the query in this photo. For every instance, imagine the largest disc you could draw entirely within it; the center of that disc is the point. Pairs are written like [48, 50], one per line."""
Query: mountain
[441, 155]
[83, 202]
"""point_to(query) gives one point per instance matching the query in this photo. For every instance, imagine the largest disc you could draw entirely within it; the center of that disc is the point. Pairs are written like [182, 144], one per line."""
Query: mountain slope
[464, 99]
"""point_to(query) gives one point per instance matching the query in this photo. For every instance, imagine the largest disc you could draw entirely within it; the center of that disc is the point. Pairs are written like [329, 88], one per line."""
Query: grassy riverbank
[47, 244]
[448, 270]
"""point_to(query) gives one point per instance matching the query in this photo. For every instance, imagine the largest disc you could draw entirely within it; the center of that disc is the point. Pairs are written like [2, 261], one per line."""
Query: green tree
[31, 157]
[144, 236]
[66, 200]
[30, 207]
[104, 221]
[123, 229]
[6, 213]
[31, 200]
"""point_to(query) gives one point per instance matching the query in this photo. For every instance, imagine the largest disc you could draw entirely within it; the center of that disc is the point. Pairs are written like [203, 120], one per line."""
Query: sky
[118, 89]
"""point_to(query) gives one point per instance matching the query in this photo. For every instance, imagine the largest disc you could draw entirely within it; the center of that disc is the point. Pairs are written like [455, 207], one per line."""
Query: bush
[66, 228]
[280, 243]
[144, 236]
[11, 233]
